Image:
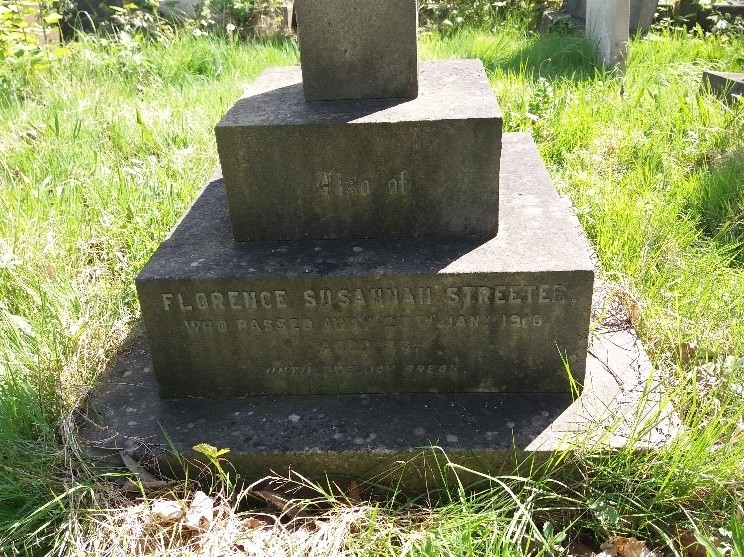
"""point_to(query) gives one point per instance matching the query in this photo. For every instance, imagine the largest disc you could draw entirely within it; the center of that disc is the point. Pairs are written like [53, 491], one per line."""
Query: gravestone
[366, 252]
[573, 12]
[726, 84]
[607, 25]
[401, 253]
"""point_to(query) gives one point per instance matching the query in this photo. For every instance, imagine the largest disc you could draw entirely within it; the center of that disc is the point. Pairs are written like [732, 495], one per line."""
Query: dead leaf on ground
[626, 547]
[353, 493]
[130, 486]
[165, 510]
[687, 351]
[148, 482]
[251, 523]
[136, 469]
[690, 546]
[201, 512]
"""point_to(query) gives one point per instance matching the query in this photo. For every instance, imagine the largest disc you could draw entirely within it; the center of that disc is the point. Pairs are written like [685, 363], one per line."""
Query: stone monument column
[356, 243]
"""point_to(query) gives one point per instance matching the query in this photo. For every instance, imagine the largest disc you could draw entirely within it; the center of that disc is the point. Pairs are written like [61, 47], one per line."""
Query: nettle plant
[454, 14]
[25, 29]
[27, 42]
[701, 18]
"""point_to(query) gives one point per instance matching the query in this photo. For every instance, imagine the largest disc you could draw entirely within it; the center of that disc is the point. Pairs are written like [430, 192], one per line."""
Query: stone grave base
[400, 440]
[727, 84]
[389, 438]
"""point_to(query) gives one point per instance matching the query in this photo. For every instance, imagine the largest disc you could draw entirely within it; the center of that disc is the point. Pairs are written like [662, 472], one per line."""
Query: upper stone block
[365, 168]
[358, 49]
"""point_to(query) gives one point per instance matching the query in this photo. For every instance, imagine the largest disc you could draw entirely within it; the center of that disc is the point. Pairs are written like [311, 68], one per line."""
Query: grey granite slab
[727, 84]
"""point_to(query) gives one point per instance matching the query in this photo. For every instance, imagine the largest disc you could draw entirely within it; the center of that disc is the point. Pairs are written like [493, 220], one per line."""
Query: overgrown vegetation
[480, 14]
[105, 143]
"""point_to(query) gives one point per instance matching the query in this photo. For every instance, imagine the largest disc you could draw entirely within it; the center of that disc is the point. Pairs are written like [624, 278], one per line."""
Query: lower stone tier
[375, 316]
[399, 440]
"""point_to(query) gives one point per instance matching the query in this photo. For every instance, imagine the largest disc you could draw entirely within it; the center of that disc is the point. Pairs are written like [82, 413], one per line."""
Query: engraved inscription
[515, 294]
[367, 296]
[334, 184]
[205, 301]
[418, 331]
[372, 297]
[341, 369]
[206, 326]
[400, 185]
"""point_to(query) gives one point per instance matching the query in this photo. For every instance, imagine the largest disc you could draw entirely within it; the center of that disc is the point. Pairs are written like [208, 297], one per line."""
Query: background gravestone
[727, 84]
[607, 24]
[641, 13]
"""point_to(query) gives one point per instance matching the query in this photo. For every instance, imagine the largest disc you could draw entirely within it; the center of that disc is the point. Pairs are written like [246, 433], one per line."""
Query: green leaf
[605, 511]
[52, 18]
[737, 536]
[22, 324]
[710, 548]
[210, 451]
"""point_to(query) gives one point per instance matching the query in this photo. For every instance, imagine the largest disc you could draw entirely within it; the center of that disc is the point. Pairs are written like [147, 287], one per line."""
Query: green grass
[102, 151]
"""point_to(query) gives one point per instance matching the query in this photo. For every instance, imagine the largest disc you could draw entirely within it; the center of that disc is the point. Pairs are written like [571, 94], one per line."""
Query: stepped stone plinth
[228, 318]
[384, 247]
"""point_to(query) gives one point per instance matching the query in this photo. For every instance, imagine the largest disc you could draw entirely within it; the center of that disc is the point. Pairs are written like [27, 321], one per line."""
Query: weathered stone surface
[413, 315]
[358, 49]
[641, 14]
[607, 24]
[727, 84]
[387, 438]
[364, 169]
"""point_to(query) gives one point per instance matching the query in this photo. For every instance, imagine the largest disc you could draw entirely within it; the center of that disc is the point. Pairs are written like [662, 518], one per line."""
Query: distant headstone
[358, 49]
[726, 84]
[607, 23]
[641, 14]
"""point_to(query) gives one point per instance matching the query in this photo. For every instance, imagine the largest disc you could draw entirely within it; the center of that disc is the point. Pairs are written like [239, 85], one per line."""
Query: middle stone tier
[372, 168]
